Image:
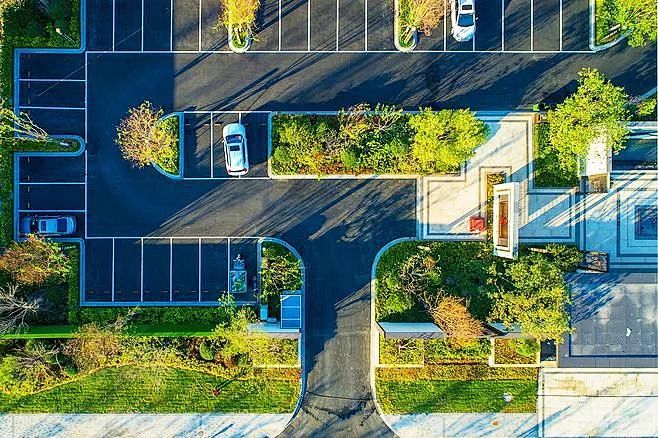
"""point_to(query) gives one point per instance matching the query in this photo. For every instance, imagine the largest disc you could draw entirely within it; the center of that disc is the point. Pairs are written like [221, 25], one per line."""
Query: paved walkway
[447, 203]
[141, 425]
[463, 425]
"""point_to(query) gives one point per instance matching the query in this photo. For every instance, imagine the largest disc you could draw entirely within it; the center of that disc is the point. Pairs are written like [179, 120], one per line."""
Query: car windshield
[235, 138]
[234, 147]
[61, 225]
[465, 20]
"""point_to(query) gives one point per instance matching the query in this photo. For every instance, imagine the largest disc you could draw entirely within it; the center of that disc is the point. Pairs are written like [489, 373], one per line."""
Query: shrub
[421, 15]
[637, 17]
[93, 347]
[566, 257]
[240, 16]
[34, 260]
[440, 351]
[400, 351]
[451, 314]
[526, 347]
[445, 139]
[265, 351]
[143, 139]
[207, 351]
[457, 372]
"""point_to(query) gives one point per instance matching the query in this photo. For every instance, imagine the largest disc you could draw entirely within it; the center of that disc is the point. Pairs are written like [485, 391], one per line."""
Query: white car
[235, 149]
[462, 15]
[48, 225]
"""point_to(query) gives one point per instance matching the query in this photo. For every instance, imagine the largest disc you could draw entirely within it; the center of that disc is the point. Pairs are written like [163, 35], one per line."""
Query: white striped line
[222, 178]
[560, 25]
[200, 7]
[365, 19]
[212, 145]
[502, 25]
[54, 183]
[50, 211]
[141, 270]
[50, 80]
[532, 21]
[61, 108]
[280, 25]
[247, 237]
[113, 286]
[301, 52]
[114, 13]
[337, 21]
[141, 30]
[308, 27]
[199, 269]
[171, 27]
[445, 26]
[171, 269]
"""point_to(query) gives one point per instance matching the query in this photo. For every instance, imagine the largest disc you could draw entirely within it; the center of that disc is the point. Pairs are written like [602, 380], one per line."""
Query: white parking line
[445, 26]
[200, 6]
[502, 25]
[365, 19]
[141, 270]
[280, 25]
[49, 183]
[199, 269]
[171, 269]
[212, 145]
[114, 26]
[50, 80]
[171, 26]
[20, 210]
[142, 28]
[560, 25]
[532, 26]
[337, 21]
[308, 26]
[113, 286]
[63, 108]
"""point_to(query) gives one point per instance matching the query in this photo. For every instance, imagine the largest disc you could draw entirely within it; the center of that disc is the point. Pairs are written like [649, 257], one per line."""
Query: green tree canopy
[537, 300]
[445, 139]
[637, 17]
[597, 109]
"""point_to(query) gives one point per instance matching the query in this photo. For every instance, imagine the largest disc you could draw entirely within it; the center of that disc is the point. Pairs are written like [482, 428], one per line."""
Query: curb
[592, 31]
[396, 31]
[181, 144]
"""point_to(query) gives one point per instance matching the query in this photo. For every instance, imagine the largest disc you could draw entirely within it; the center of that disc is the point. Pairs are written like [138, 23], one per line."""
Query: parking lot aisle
[157, 24]
[380, 25]
[438, 36]
[214, 268]
[127, 25]
[575, 25]
[516, 31]
[294, 24]
[488, 33]
[267, 33]
[197, 153]
[185, 32]
[52, 197]
[256, 126]
[157, 269]
[127, 269]
[247, 249]
[52, 169]
[185, 274]
[323, 24]
[98, 270]
[100, 27]
[58, 121]
[546, 24]
[213, 36]
[351, 25]
[52, 93]
[218, 160]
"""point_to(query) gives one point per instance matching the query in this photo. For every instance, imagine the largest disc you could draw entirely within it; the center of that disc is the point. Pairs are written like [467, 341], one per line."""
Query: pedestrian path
[463, 425]
[142, 425]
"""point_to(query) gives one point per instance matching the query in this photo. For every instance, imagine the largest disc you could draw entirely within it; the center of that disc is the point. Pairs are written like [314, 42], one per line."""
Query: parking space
[204, 156]
[166, 269]
[340, 25]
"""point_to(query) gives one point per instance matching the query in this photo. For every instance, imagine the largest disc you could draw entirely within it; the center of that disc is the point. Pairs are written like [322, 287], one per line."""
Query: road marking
[200, 6]
[54, 183]
[337, 21]
[240, 117]
[141, 32]
[308, 26]
[49, 80]
[445, 26]
[212, 145]
[560, 25]
[247, 237]
[280, 25]
[113, 286]
[114, 8]
[199, 269]
[171, 269]
[171, 26]
[532, 21]
[365, 32]
[223, 178]
[67, 108]
[50, 211]
[228, 265]
[141, 270]
[502, 25]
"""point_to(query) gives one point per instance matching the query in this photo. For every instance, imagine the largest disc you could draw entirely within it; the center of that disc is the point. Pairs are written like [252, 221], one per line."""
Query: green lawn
[158, 390]
[425, 396]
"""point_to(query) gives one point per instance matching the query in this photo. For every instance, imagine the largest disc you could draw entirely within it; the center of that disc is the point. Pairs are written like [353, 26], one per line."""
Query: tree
[15, 308]
[637, 17]
[240, 17]
[421, 15]
[280, 270]
[34, 260]
[143, 140]
[597, 110]
[12, 124]
[537, 301]
[94, 347]
[445, 139]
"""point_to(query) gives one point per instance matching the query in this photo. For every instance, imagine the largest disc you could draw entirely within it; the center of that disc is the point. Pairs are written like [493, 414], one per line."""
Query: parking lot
[165, 270]
[204, 156]
[52, 186]
[334, 26]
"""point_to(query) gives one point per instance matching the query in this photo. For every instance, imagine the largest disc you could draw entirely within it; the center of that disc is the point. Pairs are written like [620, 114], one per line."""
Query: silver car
[52, 226]
[462, 16]
[235, 149]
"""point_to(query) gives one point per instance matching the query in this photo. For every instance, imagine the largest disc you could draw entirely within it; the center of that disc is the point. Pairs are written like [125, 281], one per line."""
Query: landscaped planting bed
[280, 271]
[431, 352]
[547, 170]
[359, 141]
[515, 351]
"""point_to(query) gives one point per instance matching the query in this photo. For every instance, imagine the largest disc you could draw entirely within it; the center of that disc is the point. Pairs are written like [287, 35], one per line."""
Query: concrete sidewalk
[141, 425]
[463, 425]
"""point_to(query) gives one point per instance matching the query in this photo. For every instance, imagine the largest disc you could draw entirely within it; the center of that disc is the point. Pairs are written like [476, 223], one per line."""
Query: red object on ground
[477, 223]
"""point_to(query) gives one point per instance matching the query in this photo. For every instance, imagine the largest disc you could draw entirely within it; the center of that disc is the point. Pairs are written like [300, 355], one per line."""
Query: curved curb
[233, 47]
[302, 386]
[181, 143]
[374, 337]
[396, 31]
[592, 31]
